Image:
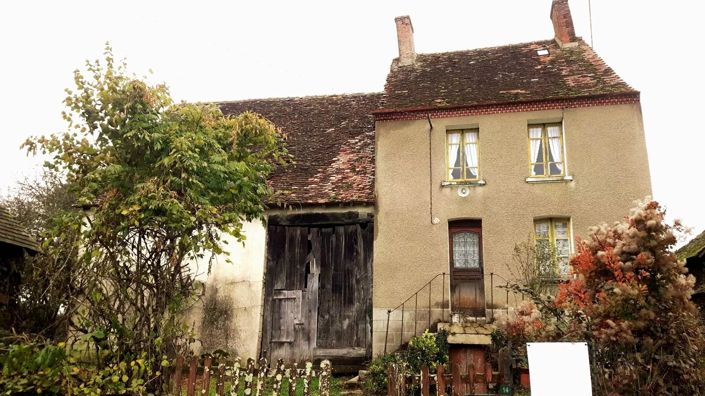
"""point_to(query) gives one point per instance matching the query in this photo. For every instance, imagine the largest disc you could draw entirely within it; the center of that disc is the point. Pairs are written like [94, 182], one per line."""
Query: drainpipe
[434, 220]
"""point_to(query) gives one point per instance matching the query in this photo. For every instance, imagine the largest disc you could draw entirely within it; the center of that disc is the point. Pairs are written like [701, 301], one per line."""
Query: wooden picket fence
[251, 379]
[454, 383]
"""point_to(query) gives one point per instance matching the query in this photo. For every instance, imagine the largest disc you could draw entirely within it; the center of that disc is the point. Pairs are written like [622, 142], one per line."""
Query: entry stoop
[468, 343]
[468, 333]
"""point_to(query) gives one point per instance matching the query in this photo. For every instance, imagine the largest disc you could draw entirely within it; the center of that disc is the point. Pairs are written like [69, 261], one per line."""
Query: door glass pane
[466, 250]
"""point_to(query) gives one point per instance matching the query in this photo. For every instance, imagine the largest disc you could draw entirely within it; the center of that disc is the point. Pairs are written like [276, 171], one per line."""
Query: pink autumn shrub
[635, 297]
[629, 298]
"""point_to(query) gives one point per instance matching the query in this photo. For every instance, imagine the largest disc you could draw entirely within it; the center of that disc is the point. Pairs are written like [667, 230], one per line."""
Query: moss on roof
[539, 70]
[692, 248]
[331, 139]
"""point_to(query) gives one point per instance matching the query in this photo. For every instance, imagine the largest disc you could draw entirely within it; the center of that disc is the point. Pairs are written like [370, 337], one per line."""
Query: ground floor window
[553, 245]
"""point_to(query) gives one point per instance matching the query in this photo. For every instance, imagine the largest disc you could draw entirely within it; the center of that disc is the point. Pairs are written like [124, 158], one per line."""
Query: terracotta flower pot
[524, 378]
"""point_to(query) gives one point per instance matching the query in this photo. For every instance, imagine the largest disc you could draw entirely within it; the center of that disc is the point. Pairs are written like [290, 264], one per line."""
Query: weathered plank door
[466, 282]
[287, 321]
[318, 292]
[345, 293]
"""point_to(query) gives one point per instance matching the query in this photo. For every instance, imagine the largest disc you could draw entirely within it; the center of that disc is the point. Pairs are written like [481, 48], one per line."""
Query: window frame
[463, 167]
[544, 149]
[552, 241]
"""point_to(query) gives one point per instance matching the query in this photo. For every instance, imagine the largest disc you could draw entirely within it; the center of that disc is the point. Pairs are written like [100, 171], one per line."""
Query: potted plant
[522, 365]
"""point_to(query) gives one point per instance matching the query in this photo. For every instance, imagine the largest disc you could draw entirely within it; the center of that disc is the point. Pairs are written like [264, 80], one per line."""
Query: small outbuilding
[15, 246]
[694, 255]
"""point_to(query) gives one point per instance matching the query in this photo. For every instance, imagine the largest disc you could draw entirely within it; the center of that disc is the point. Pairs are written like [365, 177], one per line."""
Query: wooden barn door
[345, 294]
[318, 292]
[466, 282]
[287, 322]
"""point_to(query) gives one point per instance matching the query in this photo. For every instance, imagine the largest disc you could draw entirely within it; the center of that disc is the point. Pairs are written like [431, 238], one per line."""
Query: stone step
[468, 333]
[353, 386]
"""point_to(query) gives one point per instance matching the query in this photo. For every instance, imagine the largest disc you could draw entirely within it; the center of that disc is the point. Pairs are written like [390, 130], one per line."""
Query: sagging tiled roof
[12, 232]
[506, 74]
[331, 139]
[695, 247]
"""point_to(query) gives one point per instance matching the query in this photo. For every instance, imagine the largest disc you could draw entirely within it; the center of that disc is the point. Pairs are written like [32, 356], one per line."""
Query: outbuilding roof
[331, 140]
[12, 232]
[696, 247]
[534, 71]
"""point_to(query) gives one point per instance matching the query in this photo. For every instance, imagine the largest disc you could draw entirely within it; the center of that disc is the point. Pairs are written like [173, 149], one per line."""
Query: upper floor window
[463, 150]
[553, 245]
[546, 150]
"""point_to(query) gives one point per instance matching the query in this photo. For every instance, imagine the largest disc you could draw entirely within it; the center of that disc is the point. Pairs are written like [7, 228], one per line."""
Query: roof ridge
[551, 41]
[281, 98]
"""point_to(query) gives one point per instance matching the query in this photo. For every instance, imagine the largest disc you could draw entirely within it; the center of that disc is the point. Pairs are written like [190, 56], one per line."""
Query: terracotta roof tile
[331, 139]
[511, 73]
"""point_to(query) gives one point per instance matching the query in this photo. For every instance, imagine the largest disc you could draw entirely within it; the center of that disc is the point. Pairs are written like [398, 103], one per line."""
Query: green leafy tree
[161, 183]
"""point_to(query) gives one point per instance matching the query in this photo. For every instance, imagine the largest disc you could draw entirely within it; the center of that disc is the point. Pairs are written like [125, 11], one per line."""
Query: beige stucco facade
[228, 315]
[605, 156]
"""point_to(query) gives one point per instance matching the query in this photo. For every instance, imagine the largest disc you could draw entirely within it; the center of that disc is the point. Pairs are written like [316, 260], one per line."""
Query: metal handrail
[428, 285]
[415, 295]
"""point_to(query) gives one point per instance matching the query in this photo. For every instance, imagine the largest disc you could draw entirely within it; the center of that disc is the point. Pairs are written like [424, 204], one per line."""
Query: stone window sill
[559, 179]
[476, 183]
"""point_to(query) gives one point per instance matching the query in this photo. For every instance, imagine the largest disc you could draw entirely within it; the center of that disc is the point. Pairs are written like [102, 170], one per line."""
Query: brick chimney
[563, 23]
[405, 37]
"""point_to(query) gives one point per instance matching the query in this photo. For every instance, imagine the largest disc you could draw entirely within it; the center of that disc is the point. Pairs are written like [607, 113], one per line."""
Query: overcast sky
[209, 50]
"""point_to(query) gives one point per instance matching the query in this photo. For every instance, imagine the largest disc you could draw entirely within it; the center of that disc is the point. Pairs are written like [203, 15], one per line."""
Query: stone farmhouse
[402, 208]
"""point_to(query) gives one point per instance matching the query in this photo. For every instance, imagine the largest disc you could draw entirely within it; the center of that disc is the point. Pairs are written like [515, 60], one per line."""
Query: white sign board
[559, 368]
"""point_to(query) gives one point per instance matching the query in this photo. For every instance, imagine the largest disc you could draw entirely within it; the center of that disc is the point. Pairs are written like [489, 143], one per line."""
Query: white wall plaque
[559, 368]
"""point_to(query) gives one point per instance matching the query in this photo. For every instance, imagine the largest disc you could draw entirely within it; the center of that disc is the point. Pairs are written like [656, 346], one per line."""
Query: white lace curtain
[536, 155]
[466, 250]
[453, 152]
[554, 143]
[471, 154]
[553, 162]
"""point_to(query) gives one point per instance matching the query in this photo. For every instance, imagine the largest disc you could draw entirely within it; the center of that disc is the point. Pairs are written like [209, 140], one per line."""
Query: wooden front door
[466, 282]
[318, 292]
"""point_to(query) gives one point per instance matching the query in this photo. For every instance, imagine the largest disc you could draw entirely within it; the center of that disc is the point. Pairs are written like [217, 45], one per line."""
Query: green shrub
[427, 350]
[376, 381]
[30, 368]
[442, 342]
